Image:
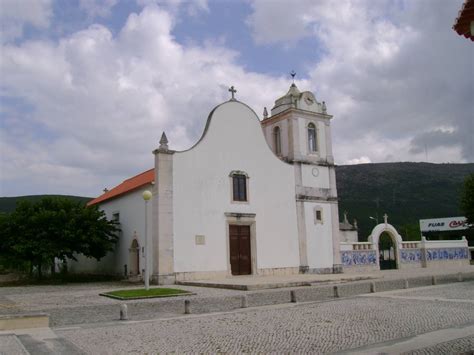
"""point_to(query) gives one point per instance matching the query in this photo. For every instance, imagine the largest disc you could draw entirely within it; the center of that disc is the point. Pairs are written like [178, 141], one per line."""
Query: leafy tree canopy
[467, 199]
[55, 228]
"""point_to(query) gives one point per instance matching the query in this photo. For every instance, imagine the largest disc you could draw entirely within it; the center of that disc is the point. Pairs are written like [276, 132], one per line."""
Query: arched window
[312, 144]
[277, 140]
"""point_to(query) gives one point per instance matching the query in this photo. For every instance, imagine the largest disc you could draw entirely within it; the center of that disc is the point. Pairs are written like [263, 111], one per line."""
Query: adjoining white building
[250, 197]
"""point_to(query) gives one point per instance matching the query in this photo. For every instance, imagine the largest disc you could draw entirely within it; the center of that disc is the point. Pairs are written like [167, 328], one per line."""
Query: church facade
[252, 197]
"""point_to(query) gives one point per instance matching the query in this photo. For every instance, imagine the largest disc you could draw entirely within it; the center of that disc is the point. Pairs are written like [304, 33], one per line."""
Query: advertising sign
[443, 224]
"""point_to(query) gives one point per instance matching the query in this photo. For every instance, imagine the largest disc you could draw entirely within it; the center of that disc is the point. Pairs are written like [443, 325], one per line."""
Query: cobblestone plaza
[321, 327]
[427, 320]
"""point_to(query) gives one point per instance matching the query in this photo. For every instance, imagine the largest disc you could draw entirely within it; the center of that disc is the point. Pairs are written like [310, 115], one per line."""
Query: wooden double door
[240, 261]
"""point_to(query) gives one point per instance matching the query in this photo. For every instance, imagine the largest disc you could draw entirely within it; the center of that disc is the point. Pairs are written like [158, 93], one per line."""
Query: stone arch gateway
[396, 239]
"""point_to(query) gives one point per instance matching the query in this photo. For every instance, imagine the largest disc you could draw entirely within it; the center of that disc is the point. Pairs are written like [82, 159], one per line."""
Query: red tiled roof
[462, 25]
[128, 185]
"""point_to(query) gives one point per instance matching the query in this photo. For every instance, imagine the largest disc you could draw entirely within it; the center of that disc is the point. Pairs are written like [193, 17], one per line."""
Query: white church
[251, 197]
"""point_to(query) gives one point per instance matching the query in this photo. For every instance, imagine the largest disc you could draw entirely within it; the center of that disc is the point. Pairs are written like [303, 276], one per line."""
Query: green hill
[407, 192]
[8, 204]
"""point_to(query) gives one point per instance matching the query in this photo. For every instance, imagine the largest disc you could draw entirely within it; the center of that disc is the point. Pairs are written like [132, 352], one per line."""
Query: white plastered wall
[318, 236]
[315, 176]
[131, 208]
[284, 138]
[202, 195]
[320, 137]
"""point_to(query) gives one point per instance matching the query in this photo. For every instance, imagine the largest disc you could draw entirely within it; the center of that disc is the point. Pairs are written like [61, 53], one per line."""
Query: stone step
[23, 321]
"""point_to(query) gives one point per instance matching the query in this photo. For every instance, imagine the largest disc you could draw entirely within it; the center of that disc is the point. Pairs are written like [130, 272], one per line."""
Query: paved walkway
[429, 320]
[406, 320]
[256, 282]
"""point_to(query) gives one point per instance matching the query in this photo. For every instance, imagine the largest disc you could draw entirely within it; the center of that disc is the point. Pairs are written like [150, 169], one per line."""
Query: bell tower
[304, 127]
[299, 132]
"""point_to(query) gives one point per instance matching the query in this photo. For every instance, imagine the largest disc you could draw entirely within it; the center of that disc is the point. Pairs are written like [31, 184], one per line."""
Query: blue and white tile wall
[410, 255]
[447, 254]
[356, 257]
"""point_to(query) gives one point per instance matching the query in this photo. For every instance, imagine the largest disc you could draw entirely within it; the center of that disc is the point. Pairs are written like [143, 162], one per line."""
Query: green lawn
[142, 293]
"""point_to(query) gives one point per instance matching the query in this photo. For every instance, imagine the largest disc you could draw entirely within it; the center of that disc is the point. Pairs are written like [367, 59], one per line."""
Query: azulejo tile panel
[447, 254]
[354, 258]
[410, 255]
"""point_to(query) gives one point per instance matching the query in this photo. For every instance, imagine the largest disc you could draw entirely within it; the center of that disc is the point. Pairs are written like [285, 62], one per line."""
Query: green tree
[410, 231]
[55, 228]
[467, 199]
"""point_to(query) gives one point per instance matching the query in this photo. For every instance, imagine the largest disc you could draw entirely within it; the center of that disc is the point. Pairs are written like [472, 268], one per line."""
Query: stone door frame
[134, 257]
[242, 219]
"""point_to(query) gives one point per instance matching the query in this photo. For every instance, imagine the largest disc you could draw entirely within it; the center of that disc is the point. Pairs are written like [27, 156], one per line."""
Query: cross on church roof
[232, 91]
[293, 74]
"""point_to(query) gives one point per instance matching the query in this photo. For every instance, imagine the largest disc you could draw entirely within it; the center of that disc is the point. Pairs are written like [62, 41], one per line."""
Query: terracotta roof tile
[128, 185]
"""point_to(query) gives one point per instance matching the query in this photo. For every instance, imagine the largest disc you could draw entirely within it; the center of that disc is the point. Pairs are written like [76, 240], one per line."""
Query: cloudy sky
[87, 86]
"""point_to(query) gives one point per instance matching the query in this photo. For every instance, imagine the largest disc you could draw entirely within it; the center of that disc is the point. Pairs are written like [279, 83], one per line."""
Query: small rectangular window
[239, 187]
[318, 216]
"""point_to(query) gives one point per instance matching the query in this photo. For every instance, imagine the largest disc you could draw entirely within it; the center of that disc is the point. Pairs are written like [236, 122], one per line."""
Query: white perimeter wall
[202, 194]
[131, 208]
[318, 236]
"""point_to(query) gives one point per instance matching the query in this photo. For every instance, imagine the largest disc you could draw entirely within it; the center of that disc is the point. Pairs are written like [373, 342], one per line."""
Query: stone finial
[345, 217]
[324, 107]
[385, 218]
[163, 142]
[355, 224]
[265, 112]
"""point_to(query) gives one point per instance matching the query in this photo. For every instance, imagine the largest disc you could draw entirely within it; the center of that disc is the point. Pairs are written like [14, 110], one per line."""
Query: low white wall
[439, 253]
[411, 255]
[85, 265]
[358, 257]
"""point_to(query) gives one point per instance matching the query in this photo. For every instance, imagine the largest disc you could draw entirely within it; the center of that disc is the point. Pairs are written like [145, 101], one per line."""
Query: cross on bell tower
[232, 91]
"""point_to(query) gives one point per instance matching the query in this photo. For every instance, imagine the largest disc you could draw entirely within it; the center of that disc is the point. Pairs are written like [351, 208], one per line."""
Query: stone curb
[172, 307]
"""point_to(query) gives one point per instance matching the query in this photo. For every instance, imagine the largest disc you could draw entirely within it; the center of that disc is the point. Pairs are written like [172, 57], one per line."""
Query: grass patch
[142, 293]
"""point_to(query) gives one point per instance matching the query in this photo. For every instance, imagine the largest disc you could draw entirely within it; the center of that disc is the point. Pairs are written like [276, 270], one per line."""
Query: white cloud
[361, 160]
[15, 14]
[390, 73]
[97, 8]
[101, 102]
[279, 21]
[191, 8]
[85, 112]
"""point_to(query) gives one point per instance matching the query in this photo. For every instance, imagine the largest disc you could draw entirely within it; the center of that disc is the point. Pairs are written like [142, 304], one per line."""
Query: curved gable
[221, 112]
